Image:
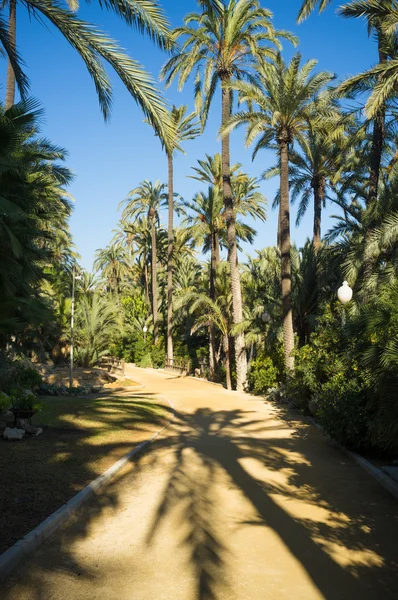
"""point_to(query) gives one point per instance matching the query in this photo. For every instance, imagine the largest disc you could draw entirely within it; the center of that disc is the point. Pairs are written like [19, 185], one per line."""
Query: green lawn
[81, 438]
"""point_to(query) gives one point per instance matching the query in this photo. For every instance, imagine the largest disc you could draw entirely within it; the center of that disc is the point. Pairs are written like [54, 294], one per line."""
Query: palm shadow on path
[244, 448]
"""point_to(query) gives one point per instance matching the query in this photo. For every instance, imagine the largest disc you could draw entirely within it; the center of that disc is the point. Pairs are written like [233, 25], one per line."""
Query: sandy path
[234, 501]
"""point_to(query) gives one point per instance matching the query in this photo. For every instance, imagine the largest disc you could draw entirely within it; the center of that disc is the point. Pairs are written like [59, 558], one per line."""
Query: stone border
[383, 479]
[11, 558]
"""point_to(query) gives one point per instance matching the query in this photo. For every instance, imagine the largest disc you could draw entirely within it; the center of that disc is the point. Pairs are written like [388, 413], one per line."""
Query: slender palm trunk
[212, 293]
[146, 283]
[288, 335]
[217, 247]
[154, 283]
[374, 175]
[237, 309]
[319, 196]
[227, 353]
[170, 261]
[12, 35]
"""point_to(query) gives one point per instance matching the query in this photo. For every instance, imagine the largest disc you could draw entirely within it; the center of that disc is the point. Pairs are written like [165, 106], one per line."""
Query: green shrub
[15, 375]
[342, 411]
[146, 361]
[262, 375]
[23, 401]
[158, 354]
[5, 402]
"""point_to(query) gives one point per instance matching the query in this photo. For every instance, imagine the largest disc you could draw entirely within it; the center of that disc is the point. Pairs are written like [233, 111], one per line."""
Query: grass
[81, 438]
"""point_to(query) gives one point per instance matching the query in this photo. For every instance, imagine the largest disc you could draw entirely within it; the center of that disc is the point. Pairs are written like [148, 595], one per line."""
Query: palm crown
[225, 40]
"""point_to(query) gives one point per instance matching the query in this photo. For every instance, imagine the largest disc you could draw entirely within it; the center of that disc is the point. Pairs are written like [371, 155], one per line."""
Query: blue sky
[109, 159]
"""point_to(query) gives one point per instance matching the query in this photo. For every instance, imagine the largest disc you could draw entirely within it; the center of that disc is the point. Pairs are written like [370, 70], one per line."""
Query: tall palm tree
[146, 200]
[381, 80]
[184, 128]
[283, 95]
[215, 314]
[222, 43]
[246, 197]
[114, 266]
[206, 223]
[315, 164]
[94, 46]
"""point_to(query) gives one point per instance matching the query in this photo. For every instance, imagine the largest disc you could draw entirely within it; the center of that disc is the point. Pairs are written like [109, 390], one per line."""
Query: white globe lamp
[344, 293]
[266, 317]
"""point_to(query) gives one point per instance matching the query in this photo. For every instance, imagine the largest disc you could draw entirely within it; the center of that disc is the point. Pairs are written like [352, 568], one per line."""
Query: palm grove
[183, 292]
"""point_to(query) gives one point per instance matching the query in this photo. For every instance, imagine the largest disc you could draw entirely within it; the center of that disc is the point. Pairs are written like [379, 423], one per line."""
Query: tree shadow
[40, 474]
[328, 514]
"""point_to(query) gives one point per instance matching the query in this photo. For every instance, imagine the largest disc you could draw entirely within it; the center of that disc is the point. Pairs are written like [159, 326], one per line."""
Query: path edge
[384, 480]
[12, 557]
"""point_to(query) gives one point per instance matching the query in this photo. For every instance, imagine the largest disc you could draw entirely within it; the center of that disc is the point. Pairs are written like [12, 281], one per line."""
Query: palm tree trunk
[288, 335]
[237, 309]
[217, 247]
[12, 35]
[170, 261]
[319, 196]
[227, 362]
[146, 283]
[154, 283]
[212, 293]
[374, 175]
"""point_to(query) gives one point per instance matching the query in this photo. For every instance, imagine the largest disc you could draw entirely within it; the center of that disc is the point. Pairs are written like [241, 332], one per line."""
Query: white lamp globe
[145, 329]
[266, 317]
[344, 293]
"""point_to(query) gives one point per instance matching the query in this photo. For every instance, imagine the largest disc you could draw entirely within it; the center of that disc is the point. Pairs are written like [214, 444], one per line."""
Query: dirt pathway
[234, 501]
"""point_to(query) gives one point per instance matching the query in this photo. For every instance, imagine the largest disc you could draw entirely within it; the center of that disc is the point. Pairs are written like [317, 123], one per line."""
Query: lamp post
[74, 277]
[344, 294]
[145, 329]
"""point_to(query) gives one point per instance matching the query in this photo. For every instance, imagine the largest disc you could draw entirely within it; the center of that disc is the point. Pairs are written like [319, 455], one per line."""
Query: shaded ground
[82, 437]
[236, 500]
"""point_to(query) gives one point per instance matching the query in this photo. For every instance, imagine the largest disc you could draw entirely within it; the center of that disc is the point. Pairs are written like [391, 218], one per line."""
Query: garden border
[384, 480]
[11, 558]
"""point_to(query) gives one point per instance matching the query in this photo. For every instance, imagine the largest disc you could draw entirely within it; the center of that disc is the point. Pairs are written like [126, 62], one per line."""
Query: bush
[25, 401]
[318, 362]
[17, 376]
[5, 402]
[342, 412]
[146, 361]
[262, 375]
[158, 354]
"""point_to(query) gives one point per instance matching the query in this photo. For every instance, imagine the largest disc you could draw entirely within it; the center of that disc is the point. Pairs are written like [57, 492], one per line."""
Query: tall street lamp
[74, 277]
[344, 294]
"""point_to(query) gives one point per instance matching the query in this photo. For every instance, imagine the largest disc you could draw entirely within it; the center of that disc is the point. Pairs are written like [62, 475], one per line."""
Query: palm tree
[246, 197]
[215, 314]
[382, 20]
[283, 95]
[309, 6]
[206, 224]
[114, 266]
[97, 319]
[94, 46]
[185, 128]
[146, 200]
[34, 211]
[315, 164]
[222, 44]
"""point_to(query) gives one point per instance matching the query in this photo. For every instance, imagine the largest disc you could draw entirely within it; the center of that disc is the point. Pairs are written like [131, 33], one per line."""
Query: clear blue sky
[110, 159]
